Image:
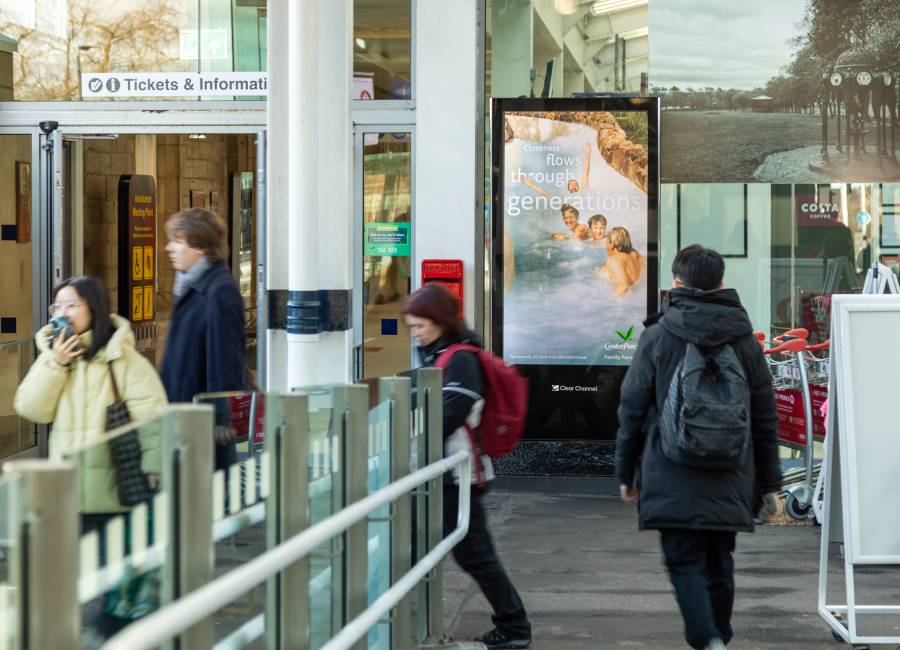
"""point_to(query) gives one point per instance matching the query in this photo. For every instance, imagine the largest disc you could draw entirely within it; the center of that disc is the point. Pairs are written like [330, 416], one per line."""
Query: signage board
[363, 85]
[815, 211]
[791, 417]
[137, 243]
[241, 410]
[205, 44]
[388, 239]
[575, 239]
[173, 84]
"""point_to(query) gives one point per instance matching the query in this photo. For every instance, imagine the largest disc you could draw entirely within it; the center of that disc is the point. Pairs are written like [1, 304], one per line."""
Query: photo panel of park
[777, 91]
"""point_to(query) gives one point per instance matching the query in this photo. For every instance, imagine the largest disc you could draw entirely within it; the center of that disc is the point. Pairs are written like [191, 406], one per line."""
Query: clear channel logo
[560, 388]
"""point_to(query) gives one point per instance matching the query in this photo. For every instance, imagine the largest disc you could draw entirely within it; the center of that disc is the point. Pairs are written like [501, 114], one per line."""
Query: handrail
[182, 614]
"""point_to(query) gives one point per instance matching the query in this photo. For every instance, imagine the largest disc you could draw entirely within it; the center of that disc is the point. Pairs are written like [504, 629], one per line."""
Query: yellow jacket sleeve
[37, 397]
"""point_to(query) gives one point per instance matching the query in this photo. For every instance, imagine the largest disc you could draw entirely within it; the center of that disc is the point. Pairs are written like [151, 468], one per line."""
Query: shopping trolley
[800, 379]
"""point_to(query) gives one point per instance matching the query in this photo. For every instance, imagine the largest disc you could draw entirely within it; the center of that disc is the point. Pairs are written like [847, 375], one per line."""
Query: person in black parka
[432, 317]
[206, 345]
[698, 511]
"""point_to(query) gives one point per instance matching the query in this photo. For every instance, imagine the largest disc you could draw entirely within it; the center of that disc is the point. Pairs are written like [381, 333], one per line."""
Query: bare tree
[144, 38]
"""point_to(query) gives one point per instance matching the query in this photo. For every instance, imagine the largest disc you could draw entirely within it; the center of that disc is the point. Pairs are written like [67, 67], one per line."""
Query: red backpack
[505, 401]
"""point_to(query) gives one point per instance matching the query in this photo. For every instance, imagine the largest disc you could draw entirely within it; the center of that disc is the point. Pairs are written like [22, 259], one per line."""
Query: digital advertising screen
[574, 239]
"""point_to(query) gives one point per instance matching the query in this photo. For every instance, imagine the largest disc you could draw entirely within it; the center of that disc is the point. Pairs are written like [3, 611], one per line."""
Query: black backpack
[705, 419]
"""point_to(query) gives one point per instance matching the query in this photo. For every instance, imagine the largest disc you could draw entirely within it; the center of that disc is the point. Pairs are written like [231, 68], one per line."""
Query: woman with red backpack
[432, 317]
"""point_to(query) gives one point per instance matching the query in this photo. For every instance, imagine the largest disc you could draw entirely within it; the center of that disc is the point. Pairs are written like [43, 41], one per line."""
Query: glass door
[19, 161]
[384, 227]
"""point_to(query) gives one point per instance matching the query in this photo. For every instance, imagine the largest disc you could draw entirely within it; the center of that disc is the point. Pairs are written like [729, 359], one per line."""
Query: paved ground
[591, 580]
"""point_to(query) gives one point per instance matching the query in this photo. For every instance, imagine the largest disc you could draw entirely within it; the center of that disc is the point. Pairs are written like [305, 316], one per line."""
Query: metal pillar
[287, 514]
[351, 411]
[187, 452]
[397, 390]
[262, 304]
[44, 558]
[430, 384]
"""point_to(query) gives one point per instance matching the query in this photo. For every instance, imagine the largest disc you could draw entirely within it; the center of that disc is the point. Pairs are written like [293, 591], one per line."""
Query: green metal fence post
[44, 559]
[430, 386]
[187, 471]
[287, 514]
[351, 405]
[397, 390]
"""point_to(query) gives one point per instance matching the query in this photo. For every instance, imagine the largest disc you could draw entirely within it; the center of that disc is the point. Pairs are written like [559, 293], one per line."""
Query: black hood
[705, 318]
[429, 353]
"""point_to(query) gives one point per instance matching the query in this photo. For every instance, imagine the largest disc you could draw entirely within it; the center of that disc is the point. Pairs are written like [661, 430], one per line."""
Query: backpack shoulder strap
[444, 357]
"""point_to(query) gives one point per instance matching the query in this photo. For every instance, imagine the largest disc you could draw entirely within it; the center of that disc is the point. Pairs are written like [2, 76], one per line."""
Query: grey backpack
[705, 419]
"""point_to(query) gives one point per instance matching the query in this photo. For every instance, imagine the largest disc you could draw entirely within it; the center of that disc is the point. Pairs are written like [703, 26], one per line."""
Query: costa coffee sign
[821, 212]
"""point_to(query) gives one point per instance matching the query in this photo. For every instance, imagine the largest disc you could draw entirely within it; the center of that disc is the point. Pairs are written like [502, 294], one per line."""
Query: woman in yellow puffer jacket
[70, 386]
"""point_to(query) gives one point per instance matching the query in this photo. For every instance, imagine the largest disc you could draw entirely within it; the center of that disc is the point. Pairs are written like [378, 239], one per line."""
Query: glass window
[541, 48]
[387, 250]
[16, 328]
[382, 49]
[788, 248]
[47, 46]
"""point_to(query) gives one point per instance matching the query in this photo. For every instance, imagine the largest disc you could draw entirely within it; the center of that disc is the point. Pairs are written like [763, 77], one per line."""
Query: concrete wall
[447, 202]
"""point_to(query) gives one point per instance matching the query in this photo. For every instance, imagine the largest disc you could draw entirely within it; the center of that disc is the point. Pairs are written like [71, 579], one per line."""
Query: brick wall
[104, 162]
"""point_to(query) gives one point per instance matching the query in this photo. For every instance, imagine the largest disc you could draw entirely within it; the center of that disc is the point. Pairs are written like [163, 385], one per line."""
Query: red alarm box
[449, 273]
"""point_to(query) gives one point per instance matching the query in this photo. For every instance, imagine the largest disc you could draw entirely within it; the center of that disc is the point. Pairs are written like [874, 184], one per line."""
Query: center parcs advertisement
[575, 236]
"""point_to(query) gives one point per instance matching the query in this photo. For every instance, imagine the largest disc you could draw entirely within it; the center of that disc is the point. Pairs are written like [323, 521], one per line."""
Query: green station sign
[389, 239]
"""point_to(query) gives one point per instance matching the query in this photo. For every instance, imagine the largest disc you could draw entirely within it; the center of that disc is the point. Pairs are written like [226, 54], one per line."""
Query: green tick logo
[627, 335]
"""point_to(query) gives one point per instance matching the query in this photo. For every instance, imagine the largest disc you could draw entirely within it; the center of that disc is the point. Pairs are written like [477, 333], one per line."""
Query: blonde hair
[201, 229]
[619, 239]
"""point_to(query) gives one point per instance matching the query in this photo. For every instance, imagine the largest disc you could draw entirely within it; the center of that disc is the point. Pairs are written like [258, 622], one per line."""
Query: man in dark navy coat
[206, 346]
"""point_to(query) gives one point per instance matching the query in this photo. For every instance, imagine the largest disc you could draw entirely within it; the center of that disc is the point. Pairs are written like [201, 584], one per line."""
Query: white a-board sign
[862, 459]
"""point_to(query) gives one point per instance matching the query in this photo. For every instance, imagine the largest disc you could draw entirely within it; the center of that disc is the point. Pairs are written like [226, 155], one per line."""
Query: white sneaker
[715, 644]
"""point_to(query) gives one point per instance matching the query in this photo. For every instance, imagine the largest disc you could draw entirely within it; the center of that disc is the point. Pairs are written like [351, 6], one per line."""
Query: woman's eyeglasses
[69, 306]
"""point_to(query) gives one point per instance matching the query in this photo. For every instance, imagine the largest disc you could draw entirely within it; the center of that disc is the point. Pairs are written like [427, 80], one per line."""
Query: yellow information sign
[148, 302]
[137, 303]
[137, 263]
[148, 262]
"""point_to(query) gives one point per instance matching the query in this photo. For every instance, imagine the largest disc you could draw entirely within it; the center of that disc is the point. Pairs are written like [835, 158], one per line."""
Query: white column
[309, 168]
[303, 181]
[335, 165]
[278, 122]
[447, 202]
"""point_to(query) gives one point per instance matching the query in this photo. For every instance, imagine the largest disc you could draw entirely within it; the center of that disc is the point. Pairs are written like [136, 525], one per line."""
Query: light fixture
[361, 43]
[634, 33]
[197, 136]
[566, 7]
[601, 7]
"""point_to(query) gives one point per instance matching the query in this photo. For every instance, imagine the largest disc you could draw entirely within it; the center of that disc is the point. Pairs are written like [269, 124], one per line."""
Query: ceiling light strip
[610, 6]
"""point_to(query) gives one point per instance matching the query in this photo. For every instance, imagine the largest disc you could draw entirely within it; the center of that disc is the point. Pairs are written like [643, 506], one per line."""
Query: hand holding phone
[64, 342]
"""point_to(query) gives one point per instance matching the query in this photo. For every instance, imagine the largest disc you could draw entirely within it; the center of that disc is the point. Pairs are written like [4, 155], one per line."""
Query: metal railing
[179, 616]
[319, 454]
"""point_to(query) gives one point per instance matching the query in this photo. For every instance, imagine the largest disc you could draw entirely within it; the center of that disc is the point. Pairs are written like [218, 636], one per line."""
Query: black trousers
[701, 568]
[477, 557]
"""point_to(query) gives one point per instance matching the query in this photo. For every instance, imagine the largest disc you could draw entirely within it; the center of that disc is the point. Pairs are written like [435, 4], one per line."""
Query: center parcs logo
[627, 335]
